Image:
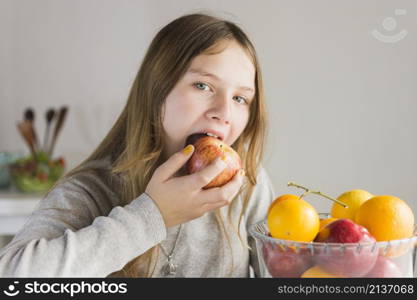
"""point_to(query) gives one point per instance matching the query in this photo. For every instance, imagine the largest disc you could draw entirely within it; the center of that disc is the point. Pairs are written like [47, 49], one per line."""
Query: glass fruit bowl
[284, 258]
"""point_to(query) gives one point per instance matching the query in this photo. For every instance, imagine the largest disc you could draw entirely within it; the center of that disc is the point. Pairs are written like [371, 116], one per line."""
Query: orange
[386, 218]
[324, 222]
[354, 199]
[293, 219]
[317, 272]
[282, 198]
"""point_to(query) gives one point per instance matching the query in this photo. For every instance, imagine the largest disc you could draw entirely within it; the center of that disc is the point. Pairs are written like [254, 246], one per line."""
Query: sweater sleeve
[257, 210]
[76, 232]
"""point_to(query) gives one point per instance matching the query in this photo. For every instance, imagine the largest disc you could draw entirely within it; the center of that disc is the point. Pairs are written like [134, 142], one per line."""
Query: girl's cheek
[197, 94]
[243, 118]
[242, 111]
[190, 102]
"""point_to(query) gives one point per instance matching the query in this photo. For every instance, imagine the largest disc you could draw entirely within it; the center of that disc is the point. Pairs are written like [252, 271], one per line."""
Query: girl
[129, 210]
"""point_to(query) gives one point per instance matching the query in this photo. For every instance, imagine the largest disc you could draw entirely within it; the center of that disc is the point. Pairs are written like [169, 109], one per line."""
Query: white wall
[342, 103]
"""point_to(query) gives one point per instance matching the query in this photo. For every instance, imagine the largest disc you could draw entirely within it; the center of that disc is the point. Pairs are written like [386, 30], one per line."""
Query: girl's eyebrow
[207, 74]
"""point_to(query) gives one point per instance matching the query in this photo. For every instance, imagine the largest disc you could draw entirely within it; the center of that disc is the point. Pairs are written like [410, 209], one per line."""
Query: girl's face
[213, 96]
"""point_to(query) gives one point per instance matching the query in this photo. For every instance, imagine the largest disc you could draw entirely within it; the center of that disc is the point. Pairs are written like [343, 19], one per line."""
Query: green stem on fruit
[308, 191]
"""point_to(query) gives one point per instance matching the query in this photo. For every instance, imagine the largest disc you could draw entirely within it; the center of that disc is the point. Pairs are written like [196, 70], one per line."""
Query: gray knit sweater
[80, 229]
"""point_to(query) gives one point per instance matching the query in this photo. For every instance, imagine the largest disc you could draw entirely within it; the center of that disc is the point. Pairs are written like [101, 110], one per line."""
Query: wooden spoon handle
[58, 126]
[26, 132]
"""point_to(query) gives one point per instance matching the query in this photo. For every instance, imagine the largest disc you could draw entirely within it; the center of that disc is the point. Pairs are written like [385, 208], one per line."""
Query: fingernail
[188, 149]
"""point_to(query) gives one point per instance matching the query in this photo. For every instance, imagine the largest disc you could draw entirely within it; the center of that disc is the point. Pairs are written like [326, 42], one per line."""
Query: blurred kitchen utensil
[29, 116]
[25, 130]
[58, 126]
[49, 116]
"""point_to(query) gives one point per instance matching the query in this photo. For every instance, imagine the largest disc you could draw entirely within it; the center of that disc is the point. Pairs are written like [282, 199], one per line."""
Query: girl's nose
[221, 110]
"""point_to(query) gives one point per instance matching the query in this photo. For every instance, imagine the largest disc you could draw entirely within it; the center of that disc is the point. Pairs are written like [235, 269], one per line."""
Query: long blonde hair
[135, 143]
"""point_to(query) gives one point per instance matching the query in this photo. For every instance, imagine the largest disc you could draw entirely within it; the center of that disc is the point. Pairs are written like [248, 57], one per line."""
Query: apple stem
[308, 191]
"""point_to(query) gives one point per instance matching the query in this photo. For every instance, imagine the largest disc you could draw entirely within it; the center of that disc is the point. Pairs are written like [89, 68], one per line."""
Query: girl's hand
[181, 199]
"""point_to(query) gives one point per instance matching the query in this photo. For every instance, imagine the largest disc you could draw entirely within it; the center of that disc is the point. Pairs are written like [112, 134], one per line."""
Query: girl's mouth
[196, 136]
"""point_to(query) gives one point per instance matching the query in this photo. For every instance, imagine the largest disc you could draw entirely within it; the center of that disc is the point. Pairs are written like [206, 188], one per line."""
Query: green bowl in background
[30, 175]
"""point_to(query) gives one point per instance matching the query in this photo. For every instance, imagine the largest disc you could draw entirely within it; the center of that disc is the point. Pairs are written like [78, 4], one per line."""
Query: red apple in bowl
[351, 260]
[207, 149]
[285, 263]
[384, 268]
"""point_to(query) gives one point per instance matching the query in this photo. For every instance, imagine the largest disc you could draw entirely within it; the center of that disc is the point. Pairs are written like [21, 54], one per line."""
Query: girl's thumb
[174, 163]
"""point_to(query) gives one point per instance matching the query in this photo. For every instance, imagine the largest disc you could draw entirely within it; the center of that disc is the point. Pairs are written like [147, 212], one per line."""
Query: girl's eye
[202, 86]
[240, 99]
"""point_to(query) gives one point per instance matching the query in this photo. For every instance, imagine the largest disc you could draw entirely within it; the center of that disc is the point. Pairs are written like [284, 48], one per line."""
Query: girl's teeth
[210, 134]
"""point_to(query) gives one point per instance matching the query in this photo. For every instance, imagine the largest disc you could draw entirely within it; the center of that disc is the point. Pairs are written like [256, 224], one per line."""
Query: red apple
[350, 261]
[207, 149]
[383, 268]
[287, 262]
